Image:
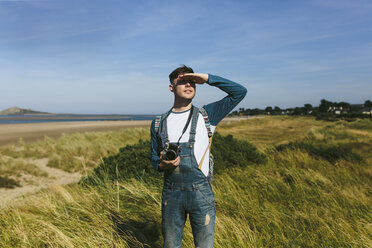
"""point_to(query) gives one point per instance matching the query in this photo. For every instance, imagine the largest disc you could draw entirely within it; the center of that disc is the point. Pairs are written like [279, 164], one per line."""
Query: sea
[18, 119]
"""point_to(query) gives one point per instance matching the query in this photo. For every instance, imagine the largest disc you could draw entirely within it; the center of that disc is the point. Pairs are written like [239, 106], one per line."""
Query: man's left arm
[219, 109]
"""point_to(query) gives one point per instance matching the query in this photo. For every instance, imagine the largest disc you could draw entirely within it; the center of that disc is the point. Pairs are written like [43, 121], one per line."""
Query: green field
[313, 190]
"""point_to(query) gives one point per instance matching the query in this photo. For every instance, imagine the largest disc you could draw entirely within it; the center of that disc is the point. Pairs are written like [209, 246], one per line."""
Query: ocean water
[18, 119]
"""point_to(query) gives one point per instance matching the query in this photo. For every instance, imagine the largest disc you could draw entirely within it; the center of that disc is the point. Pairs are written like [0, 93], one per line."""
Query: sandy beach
[10, 133]
[28, 132]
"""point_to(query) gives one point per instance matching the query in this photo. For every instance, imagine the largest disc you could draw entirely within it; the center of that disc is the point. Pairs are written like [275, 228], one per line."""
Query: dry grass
[294, 200]
[79, 152]
[272, 130]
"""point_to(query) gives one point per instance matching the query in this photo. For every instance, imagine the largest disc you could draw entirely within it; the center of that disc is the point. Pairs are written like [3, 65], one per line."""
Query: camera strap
[210, 134]
[208, 147]
[187, 124]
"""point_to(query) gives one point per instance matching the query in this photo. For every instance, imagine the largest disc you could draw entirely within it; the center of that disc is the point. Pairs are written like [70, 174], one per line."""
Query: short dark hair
[178, 71]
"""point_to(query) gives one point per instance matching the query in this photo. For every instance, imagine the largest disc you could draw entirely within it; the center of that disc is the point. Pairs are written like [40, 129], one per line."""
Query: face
[183, 89]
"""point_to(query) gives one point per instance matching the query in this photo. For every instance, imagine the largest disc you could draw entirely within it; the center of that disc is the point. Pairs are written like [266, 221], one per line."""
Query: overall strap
[194, 122]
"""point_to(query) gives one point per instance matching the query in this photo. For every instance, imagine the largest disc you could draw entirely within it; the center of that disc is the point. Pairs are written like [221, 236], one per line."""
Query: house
[337, 110]
[367, 111]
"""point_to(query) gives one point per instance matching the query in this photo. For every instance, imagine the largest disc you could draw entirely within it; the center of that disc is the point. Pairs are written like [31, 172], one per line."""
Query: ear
[171, 87]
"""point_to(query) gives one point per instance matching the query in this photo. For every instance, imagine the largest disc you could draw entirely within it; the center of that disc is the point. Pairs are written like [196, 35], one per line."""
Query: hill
[20, 111]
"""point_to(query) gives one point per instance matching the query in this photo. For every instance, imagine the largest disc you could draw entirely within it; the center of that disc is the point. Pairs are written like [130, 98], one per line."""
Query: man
[180, 142]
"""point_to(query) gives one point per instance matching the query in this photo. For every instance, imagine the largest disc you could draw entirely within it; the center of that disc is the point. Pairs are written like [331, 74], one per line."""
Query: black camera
[171, 151]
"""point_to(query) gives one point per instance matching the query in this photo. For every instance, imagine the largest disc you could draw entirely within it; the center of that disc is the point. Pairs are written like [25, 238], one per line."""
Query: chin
[188, 97]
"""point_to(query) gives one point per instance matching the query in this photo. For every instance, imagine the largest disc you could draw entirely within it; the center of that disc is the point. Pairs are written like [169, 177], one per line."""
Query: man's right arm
[155, 159]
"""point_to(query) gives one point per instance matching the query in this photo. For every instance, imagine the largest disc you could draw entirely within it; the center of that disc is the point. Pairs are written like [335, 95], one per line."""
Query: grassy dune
[79, 152]
[313, 191]
[274, 130]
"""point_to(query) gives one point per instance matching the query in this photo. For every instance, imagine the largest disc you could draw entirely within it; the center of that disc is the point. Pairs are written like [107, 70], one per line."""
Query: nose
[190, 84]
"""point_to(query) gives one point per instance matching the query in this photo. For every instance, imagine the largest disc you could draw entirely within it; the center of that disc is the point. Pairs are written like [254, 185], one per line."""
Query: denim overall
[187, 191]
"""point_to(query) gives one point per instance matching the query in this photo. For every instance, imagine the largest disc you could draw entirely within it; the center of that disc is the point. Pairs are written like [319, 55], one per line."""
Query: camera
[171, 151]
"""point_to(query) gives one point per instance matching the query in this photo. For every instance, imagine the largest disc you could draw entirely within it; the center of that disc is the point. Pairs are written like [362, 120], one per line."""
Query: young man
[180, 142]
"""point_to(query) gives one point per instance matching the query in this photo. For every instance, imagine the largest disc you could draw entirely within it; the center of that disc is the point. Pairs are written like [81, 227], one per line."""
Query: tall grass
[74, 217]
[13, 172]
[19, 167]
[76, 152]
[270, 130]
[298, 198]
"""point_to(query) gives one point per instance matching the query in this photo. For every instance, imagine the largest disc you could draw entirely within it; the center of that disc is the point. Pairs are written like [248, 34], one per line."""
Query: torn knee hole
[207, 219]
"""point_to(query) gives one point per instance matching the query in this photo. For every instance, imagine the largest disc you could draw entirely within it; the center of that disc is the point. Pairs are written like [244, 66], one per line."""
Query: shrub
[9, 183]
[230, 152]
[133, 161]
[361, 124]
[349, 117]
[332, 153]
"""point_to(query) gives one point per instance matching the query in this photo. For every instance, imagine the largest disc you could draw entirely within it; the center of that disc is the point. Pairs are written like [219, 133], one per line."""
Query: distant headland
[16, 115]
[20, 111]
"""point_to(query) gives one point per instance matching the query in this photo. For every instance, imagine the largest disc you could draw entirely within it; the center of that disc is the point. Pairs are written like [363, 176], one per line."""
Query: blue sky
[115, 56]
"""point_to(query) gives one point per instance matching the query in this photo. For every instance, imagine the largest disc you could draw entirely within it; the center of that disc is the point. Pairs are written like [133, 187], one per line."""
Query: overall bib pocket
[186, 163]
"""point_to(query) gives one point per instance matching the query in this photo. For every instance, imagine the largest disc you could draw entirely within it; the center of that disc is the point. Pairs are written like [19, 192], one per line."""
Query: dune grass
[270, 130]
[19, 167]
[298, 198]
[79, 152]
[14, 171]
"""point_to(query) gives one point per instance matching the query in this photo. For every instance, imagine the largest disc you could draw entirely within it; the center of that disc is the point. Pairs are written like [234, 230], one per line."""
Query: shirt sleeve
[235, 93]
[155, 159]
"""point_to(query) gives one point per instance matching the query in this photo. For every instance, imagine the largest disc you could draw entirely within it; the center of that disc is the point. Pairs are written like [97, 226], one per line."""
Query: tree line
[325, 108]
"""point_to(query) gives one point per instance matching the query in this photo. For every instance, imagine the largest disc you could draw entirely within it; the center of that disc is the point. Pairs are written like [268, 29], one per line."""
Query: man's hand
[167, 165]
[199, 78]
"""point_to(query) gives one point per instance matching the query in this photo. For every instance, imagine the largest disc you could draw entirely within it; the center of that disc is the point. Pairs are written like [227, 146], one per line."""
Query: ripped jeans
[195, 199]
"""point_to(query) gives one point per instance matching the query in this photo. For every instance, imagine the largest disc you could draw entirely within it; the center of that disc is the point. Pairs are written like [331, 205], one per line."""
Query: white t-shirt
[176, 121]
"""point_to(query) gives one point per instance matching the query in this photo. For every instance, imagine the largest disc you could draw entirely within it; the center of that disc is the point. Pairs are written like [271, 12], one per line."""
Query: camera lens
[170, 155]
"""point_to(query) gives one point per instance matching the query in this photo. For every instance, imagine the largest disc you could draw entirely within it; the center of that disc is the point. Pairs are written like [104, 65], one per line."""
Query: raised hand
[198, 78]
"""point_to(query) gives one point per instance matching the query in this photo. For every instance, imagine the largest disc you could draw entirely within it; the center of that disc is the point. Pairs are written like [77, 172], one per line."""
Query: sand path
[33, 184]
